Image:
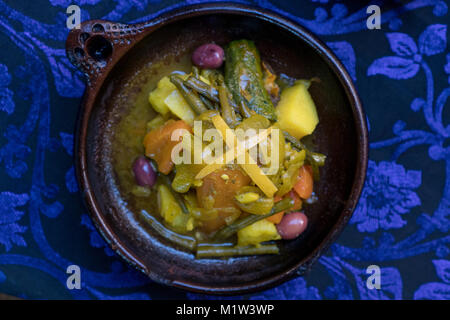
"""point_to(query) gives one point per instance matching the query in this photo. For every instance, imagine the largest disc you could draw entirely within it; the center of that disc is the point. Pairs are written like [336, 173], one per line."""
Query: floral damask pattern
[10, 230]
[388, 194]
[6, 95]
[403, 213]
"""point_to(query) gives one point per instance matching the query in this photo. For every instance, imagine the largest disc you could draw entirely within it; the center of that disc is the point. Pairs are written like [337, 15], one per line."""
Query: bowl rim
[167, 17]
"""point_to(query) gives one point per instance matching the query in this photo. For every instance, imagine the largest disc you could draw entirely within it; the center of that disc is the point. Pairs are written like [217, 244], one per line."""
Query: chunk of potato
[157, 96]
[179, 107]
[257, 232]
[296, 111]
[170, 210]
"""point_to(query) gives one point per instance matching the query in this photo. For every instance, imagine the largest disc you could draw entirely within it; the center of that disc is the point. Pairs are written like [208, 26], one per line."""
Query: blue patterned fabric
[402, 222]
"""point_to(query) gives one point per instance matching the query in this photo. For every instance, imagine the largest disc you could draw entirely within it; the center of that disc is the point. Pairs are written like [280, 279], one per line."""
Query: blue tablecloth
[402, 221]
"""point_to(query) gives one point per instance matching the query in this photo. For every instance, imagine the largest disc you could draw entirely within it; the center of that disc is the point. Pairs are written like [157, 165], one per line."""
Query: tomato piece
[222, 192]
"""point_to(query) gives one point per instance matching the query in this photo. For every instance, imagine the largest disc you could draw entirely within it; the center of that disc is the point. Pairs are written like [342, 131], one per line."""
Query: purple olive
[143, 172]
[292, 225]
[208, 56]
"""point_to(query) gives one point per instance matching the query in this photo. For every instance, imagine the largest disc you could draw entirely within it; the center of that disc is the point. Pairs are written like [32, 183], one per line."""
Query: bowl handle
[97, 44]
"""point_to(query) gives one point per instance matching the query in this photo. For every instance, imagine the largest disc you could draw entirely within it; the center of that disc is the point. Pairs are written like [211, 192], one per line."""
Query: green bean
[181, 240]
[227, 110]
[241, 110]
[241, 223]
[206, 243]
[191, 97]
[314, 158]
[244, 110]
[318, 158]
[296, 143]
[165, 180]
[202, 88]
[195, 71]
[226, 251]
[212, 75]
[207, 103]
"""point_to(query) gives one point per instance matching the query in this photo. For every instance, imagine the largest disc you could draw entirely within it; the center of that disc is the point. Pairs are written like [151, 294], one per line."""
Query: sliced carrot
[297, 200]
[304, 184]
[277, 217]
[158, 144]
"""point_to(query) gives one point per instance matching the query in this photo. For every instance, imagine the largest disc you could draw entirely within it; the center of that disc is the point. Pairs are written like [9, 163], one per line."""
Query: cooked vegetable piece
[315, 159]
[166, 181]
[304, 184]
[270, 82]
[195, 71]
[209, 105]
[156, 122]
[292, 225]
[247, 197]
[190, 96]
[260, 203]
[185, 177]
[170, 210]
[215, 192]
[297, 201]
[179, 107]
[290, 174]
[181, 240]
[244, 78]
[143, 192]
[158, 144]
[296, 111]
[243, 222]
[257, 232]
[202, 88]
[255, 121]
[227, 251]
[276, 218]
[226, 109]
[157, 96]
[252, 169]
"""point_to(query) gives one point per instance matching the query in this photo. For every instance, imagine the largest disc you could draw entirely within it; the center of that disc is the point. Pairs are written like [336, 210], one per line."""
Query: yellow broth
[130, 132]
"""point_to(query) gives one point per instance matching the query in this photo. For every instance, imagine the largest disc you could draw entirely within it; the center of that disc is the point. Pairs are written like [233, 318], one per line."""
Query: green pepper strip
[226, 251]
[241, 223]
[181, 240]
[190, 96]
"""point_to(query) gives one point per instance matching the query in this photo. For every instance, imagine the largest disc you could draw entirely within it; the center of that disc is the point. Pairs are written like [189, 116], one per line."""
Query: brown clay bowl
[113, 55]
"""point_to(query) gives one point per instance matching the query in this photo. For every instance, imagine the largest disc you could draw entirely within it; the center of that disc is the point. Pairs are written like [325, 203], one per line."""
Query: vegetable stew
[223, 162]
